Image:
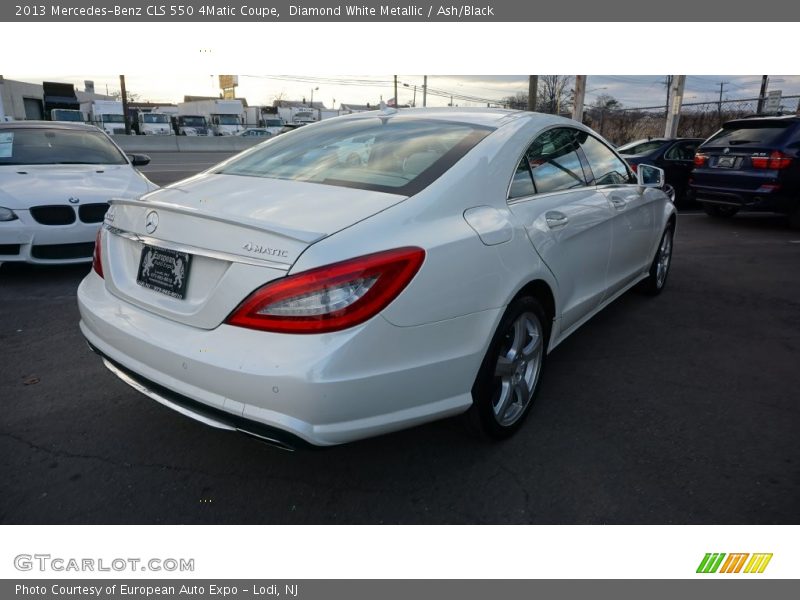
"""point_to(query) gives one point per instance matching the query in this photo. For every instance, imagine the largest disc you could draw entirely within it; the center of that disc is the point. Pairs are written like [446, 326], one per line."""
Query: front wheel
[509, 377]
[659, 268]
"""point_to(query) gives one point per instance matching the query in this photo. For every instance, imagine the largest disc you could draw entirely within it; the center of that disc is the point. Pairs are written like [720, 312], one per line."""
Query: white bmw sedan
[303, 297]
[55, 183]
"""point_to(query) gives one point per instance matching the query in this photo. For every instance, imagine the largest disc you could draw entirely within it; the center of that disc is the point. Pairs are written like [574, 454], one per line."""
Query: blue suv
[750, 164]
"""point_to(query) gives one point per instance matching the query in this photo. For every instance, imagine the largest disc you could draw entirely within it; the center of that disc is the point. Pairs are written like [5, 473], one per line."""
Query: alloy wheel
[517, 368]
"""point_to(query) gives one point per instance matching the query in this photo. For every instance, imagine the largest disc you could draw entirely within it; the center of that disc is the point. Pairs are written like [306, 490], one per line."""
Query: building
[349, 109]
[20, 100]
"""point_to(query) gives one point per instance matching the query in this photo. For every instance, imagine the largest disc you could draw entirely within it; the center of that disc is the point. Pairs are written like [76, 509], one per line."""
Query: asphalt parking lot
[681, 409]
[166, 167]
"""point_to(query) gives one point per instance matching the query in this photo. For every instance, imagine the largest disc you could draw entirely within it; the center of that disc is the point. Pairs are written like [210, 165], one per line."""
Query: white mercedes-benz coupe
[306, 295]
[56, 179]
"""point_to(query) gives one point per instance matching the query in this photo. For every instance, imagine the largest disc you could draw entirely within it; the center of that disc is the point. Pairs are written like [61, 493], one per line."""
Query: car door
[677, 163]
[633, 219]
[568, 222]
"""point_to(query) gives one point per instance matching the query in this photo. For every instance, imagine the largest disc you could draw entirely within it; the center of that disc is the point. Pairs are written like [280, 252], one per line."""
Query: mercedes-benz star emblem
[151, 221]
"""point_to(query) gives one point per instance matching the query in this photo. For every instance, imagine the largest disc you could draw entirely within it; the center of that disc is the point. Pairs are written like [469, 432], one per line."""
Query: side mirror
[139, 160]
[649, 176]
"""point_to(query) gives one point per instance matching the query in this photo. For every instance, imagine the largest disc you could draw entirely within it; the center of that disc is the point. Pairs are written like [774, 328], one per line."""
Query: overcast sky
[630, 90]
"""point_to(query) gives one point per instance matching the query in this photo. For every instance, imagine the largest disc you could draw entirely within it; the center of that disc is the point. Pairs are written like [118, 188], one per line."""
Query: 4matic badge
[259, 249]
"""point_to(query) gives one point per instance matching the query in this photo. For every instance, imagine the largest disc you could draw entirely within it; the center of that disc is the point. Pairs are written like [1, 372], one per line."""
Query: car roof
[47, 125]
[486, 117]
[789, 118]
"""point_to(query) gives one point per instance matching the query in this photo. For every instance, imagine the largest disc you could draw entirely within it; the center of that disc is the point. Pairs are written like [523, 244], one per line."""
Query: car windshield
[193, 121]
[151, 118]
[67, 115]
[113, 119]
[273, 123]
[753, 132]
[228, 120]
[40, 146]
[400, 156]
[640, 147]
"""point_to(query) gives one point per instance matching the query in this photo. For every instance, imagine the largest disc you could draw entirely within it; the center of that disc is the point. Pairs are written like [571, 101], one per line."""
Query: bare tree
[518, 101]
[606, 102]
[555, 93]
[117, 95]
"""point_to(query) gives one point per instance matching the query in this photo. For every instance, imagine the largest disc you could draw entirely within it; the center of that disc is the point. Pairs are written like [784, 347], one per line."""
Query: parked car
[751, 164]
[254, 132]
[317, 301]
[674, 155]
[55, 183]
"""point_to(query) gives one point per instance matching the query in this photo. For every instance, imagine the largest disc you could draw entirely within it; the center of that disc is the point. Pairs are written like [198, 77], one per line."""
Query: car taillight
[776, 160]
[633, 166]
[700, 160]
[332, 297]
[97, 263]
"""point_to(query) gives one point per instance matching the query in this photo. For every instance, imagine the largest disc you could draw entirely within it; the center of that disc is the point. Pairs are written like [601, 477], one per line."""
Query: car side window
[554, 161]
[682, 151]
[607, 168]
[522, 184]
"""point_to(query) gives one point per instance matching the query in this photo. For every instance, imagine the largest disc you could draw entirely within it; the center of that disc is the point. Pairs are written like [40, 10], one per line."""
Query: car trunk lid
[231, 233]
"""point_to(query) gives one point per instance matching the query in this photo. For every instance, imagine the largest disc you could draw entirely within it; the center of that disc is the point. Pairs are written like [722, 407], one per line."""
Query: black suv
[751, 164]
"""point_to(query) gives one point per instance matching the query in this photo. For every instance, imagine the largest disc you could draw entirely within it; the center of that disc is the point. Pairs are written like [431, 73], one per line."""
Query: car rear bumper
[761, 199]
[320, 389]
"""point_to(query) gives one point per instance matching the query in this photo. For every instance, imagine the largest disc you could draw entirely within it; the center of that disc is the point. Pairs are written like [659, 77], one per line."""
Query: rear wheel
[508, 380]
[721, 211]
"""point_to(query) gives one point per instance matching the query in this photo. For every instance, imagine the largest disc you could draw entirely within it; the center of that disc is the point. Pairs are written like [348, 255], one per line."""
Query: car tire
[720, 211]
[509, 378]
[659, 268]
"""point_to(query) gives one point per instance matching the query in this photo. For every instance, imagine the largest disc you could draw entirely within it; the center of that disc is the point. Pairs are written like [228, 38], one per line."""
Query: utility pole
[722, 85]
[674, 108]
[2, 110]
[396, 103]
[533, 91]
[425, 91]
[668, 85]
[580, 94]
[762, 94]
[124, 95]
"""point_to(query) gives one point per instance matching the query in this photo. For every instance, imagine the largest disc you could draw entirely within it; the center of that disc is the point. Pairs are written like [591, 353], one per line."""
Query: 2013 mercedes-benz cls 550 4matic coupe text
[373, 272]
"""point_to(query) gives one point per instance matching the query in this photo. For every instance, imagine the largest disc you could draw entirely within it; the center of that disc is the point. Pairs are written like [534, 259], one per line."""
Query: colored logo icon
[734, 563]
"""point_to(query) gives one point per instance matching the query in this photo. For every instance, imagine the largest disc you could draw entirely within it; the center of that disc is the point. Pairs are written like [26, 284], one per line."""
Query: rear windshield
[57, 147]
[760, 133]
[640, 147]
[386, 155]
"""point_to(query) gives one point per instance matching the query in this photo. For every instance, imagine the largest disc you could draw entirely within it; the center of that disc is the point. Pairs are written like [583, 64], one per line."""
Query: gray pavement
[678, 409]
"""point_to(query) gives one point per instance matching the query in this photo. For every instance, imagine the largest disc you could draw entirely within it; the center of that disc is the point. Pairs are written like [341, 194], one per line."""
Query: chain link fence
[697, 119]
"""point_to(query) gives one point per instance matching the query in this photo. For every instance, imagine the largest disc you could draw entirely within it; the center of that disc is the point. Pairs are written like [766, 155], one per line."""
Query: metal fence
[698, 119]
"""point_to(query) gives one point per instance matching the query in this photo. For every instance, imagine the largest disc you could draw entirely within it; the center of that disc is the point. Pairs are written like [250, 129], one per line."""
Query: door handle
[618, 203]
[556, 219]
